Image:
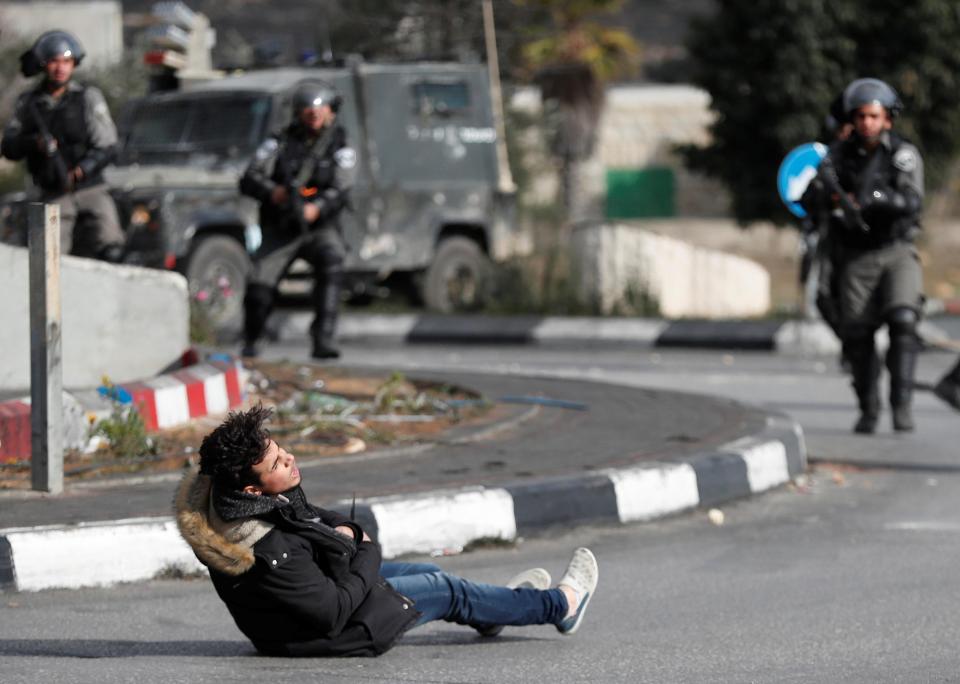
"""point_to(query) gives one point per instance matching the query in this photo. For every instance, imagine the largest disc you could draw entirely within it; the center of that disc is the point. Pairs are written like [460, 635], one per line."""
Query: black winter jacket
[294, 588]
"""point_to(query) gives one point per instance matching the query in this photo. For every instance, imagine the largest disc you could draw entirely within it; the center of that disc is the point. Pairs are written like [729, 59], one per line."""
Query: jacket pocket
[386, 614]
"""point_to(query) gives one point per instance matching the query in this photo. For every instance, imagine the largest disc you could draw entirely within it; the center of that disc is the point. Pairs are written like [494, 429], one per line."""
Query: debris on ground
[320, 411]
[716, 516]
[544, 401]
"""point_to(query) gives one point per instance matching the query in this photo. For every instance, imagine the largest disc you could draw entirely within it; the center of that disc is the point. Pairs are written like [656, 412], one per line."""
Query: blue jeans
[439, 596]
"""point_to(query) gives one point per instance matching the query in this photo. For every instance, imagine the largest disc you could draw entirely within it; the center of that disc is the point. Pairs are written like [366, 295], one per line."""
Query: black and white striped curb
[792, 337]
[564, 331]
[92, 554]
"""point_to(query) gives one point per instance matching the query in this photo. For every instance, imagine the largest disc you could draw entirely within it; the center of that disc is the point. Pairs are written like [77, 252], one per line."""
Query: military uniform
[86, 138]
[879, 279]
[316, 169]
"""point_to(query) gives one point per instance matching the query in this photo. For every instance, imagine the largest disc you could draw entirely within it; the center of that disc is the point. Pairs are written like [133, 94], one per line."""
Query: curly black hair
[229, 453]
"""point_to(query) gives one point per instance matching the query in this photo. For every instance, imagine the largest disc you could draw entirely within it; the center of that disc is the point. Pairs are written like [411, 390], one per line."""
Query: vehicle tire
[216, 275]
[458, 279]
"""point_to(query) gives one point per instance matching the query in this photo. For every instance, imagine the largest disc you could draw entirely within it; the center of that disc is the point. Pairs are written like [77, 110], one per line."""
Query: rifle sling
[316, 151]
[865, 191]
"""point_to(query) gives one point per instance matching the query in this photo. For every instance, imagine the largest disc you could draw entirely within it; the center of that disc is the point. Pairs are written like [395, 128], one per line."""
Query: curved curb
[84, 555]
[789, 337]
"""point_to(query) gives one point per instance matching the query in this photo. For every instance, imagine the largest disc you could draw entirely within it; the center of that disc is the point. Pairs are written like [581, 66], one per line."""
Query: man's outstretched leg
[534, 578]
[439, 596]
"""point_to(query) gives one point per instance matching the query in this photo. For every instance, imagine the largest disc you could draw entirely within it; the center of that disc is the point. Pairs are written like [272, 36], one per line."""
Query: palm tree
[571, 65]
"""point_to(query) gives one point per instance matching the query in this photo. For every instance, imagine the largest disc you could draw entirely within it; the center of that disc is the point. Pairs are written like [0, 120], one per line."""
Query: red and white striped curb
[14, 430]
[209, 388]
[193, 392]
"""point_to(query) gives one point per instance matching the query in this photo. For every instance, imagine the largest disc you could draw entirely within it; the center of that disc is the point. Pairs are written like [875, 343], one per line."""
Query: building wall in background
[635, 171]
[98, 24]
[640, 129]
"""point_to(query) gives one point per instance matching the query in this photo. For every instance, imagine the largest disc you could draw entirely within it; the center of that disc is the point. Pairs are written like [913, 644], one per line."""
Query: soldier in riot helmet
[301, 176]
[871, 186]
[64, 131]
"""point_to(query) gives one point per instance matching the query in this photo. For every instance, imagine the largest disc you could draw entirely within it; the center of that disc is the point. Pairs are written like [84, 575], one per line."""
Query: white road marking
[923, 526]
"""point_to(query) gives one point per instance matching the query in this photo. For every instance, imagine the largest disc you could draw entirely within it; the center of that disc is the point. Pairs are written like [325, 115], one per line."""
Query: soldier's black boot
[865, 368]
[326, 302]
[257, 304]
[902, 362]
[948, 387]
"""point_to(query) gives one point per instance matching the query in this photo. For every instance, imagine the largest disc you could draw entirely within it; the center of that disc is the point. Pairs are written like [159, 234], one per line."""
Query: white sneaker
[534, 578]
[581, 576]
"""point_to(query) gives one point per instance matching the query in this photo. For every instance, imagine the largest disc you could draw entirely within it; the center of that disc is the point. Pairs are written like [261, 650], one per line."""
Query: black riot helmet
[49, 45]
[866, 91]
[315, 94]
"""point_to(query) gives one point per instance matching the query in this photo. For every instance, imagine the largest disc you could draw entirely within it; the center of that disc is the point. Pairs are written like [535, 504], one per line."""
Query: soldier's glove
[886, 202]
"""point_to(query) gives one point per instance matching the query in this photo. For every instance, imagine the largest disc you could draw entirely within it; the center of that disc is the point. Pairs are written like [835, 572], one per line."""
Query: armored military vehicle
[426, 203]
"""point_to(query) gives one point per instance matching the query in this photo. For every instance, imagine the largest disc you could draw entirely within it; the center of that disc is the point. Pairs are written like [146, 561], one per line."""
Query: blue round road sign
[797, 169]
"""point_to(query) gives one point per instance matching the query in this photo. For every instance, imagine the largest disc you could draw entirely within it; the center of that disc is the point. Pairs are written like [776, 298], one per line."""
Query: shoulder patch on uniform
[346, 157]
[267, 147]
[905, 159]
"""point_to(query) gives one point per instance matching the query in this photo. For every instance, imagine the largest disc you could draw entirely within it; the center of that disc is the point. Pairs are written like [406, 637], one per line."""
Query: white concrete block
[97, 554]
[640, 330]
[437, 521]
[653, 491]
[766, 463]
[685, 281]
[124, 322]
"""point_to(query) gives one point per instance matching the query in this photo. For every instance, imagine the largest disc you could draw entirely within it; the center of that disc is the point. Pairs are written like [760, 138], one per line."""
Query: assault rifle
[852, 217]
[298, 190]
[60, 177]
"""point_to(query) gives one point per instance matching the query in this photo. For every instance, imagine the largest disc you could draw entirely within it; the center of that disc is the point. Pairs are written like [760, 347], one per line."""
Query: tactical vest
[67, 122]
[851, 170]
[295, 150]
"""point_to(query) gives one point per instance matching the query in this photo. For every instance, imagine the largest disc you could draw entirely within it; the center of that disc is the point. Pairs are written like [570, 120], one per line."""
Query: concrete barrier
[685, 281]
[124, 322]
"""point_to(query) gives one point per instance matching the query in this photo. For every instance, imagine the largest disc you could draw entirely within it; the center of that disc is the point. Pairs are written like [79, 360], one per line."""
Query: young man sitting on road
[303, 581]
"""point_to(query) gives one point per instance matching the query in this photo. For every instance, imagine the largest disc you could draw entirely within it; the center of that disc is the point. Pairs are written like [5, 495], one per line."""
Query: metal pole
[46, 371]
[506, 183]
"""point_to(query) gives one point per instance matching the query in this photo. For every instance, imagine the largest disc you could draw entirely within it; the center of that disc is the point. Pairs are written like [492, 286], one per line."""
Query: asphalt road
[811, 390]
[849, 577]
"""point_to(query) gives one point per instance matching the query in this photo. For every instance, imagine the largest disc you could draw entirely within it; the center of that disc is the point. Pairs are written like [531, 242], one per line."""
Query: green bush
[124, 432]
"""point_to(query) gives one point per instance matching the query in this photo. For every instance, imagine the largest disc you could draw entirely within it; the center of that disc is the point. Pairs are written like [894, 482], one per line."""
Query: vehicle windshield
[200, 131]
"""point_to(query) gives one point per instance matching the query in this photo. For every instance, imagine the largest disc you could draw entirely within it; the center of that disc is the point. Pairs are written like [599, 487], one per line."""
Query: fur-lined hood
[223, 546]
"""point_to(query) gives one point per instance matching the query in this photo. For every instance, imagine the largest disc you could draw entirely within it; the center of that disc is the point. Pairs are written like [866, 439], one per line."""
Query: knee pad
[902, 320]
